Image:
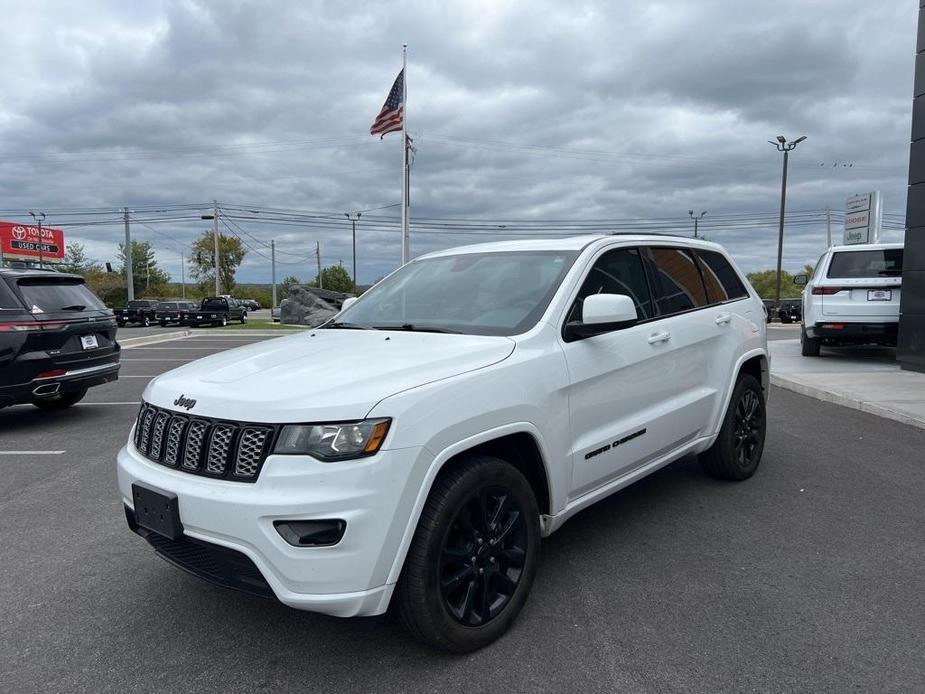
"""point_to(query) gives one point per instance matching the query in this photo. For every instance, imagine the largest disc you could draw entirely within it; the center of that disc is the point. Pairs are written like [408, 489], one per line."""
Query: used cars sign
[21, 242]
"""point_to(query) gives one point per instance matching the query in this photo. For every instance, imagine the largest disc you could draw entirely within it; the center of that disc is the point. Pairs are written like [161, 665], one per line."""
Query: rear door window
[617, 272]
[720, 278]
[46, 295]
[882, 262]
[681, 286]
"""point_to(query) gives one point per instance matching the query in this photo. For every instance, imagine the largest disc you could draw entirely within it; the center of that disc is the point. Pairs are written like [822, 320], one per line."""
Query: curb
[852, 403]
[130, 342]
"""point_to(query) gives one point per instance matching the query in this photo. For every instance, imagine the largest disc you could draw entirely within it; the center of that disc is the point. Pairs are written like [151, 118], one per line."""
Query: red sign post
[21, 242]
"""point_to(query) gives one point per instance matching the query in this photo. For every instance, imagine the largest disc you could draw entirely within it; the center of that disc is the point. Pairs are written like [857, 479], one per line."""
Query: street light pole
[38, 219]
[353, 222]
[785, 147]
[696, 219]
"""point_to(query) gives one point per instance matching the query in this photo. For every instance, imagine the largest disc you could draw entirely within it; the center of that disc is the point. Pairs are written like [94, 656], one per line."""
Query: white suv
[415, 449]
[852, 297]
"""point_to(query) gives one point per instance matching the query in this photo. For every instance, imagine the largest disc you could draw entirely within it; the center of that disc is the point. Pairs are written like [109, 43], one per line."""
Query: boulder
[309, 305]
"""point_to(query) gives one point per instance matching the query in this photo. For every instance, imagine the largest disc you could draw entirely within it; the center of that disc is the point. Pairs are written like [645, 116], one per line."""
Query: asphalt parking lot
[808, 578]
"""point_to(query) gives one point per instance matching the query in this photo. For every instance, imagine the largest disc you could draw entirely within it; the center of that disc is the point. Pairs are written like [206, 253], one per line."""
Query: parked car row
[218, 310]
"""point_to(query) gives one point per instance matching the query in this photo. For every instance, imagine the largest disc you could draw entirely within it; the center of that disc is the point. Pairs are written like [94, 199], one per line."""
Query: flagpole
[405, 237]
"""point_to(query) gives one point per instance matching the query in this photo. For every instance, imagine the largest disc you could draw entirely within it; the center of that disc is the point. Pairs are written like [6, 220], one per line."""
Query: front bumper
[839, 332]
[373, 495]
[74, 379]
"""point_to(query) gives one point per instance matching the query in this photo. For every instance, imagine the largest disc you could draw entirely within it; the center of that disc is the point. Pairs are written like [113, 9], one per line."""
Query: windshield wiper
[348, 326]
[410, 327]
[75, 307]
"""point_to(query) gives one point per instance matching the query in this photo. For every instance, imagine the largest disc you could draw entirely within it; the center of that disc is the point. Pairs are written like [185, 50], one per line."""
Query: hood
[322, 375]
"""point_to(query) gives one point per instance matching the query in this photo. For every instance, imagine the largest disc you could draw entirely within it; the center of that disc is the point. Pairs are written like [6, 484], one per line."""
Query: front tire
[736, 453]
[809, 347]
[60, 402]
[473, 557]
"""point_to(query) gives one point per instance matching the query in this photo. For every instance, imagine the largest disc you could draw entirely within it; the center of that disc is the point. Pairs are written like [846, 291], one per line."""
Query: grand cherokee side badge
[185, 402]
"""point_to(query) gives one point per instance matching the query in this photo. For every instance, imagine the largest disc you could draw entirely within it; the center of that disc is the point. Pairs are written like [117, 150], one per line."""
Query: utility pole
[129, 257]
[783, 146]
[273, 269]
[182, 275]
[696, 219]
[218, 286]
[353, 222]
[828, 227]
[147, 275]
[38, 218]
[318, 256]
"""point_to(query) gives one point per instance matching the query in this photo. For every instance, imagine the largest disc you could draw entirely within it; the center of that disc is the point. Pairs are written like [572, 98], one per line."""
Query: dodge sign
[21, 242]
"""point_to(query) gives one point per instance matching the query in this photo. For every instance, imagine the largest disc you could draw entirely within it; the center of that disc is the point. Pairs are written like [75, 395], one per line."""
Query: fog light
[311, 533]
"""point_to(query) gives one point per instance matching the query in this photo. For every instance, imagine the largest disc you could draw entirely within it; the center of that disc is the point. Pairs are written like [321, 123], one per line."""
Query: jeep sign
[862, 218]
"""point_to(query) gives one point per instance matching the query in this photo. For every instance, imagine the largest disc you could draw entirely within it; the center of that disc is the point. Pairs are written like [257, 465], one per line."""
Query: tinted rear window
[883, 262]
[681, 284]
[723, 283]
[214, 304]
[52, 296]
[167, 306]
[140, 304]
[8, 300]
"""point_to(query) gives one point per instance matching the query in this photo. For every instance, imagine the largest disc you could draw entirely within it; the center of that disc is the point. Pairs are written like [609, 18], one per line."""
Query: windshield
[884, 262]
[44, 296]
[475, 293]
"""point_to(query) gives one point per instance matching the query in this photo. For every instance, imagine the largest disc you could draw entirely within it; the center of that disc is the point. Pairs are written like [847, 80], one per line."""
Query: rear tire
[60, 402]
[736, 453]
[809, 346]
[473, 557]
[243, 318]
[786, 320]
[224, 322]
[163, 324]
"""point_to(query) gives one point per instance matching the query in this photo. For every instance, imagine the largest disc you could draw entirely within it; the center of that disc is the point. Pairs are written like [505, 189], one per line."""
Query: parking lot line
[31, 452]
[124, 359]
[85, 404]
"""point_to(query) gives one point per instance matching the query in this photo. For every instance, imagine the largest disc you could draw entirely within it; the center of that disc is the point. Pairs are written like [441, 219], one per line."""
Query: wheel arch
[519, 444]
[755, 363]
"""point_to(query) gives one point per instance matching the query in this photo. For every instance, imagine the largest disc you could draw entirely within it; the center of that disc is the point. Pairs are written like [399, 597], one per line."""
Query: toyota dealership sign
[21, 242]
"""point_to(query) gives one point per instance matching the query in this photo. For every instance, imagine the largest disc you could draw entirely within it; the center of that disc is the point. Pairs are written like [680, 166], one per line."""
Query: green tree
[283, 287]
[230, 253]
[147, 278]
[77, 261]
[765, 283]
[335, 278]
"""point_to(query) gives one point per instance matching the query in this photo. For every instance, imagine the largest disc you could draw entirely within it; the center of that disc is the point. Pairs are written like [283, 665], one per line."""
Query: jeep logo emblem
[185, 402]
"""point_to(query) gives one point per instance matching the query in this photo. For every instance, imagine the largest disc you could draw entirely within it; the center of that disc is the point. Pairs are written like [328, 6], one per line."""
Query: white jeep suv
[415, 449]
[852, 297]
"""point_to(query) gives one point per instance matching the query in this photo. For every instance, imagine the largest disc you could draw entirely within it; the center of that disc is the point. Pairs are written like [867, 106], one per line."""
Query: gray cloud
[537, 110]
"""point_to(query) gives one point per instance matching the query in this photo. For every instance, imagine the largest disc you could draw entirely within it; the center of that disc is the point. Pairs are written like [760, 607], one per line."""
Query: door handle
[723, 318]
[659, 337]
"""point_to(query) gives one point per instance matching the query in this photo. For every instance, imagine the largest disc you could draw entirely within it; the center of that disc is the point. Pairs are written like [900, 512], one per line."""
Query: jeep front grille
[234, 451]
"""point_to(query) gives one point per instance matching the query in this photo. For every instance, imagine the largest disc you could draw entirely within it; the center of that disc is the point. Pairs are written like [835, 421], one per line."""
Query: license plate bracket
[89, 342]
[157, 511]
[879, 294]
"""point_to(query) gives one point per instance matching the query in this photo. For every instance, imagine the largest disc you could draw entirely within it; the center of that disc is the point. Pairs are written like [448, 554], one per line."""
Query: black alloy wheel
[736, 453]
[473, 557]
[483, 554]
[749, 428]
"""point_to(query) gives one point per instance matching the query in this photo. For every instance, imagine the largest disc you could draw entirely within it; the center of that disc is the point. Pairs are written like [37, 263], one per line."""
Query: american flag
[390, 117]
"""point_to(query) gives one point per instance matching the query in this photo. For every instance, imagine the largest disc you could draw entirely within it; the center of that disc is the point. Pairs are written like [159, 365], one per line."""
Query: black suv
[57, 339]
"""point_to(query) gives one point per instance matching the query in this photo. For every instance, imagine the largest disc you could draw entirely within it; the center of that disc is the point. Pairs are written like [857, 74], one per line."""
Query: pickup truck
[218, 310]
[142, 311]
[175, 312]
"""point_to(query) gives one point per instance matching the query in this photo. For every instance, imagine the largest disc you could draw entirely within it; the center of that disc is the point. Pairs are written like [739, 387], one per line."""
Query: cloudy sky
[520, 112]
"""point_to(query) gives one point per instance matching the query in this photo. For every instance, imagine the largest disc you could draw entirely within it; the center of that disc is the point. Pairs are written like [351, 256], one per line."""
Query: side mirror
[348, 302]
[602, 313]
[800, 279]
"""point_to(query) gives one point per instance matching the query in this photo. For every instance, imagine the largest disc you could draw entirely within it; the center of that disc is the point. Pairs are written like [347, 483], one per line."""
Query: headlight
[332, 442]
